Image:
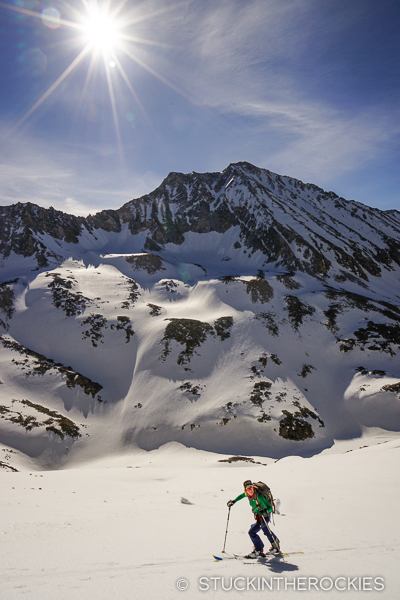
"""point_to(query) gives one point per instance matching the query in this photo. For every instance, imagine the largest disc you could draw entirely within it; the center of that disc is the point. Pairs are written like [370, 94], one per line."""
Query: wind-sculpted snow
[239, 312]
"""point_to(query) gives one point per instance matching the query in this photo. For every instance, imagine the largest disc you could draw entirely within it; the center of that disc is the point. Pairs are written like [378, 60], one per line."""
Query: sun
[100, 31]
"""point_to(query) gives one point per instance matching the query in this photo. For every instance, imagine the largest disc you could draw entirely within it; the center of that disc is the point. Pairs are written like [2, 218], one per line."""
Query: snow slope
[137, 524]
[234, 365]
[238, 312]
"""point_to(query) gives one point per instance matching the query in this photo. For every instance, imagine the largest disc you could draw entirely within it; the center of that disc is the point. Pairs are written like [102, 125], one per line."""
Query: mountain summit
[293, 225]
[241, 312]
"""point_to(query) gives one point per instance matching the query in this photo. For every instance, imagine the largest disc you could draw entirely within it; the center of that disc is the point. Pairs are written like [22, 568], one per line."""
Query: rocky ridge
[241, 310]
[295, 225]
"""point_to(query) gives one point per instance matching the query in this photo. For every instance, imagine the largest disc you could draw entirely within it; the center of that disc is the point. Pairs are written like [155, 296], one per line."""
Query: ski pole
[226, 532]
[265, 523]
[267, 526]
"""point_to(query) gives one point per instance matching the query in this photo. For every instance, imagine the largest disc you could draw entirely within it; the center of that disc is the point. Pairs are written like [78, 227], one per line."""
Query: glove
[230, 503]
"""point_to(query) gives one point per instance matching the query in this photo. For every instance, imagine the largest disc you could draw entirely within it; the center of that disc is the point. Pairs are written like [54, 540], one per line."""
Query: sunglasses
[250, 487]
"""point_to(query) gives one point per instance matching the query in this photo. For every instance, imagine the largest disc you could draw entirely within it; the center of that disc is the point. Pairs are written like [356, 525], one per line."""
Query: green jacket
[258, 503]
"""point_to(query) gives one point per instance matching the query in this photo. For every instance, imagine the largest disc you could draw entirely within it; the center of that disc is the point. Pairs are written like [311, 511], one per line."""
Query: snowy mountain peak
[295, 226]
[240, 311]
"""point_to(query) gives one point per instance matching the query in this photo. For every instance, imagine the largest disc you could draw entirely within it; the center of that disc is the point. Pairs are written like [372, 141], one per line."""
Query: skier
[262, 510]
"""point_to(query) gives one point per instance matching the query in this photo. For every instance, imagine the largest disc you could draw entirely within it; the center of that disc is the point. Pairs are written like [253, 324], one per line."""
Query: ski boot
[256, 554]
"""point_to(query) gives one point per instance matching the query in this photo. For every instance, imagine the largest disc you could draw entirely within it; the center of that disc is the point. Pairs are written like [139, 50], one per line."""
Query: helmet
[247, 483]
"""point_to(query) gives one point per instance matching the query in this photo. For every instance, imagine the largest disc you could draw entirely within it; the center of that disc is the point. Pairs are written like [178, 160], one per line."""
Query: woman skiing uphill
[262, 510]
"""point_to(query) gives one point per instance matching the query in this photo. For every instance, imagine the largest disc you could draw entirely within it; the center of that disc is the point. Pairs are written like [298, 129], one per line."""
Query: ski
[279, 554]
[269, 554]
[242, 557]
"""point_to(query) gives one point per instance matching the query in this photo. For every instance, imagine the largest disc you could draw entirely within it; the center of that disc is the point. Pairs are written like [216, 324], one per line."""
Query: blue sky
[306, 88]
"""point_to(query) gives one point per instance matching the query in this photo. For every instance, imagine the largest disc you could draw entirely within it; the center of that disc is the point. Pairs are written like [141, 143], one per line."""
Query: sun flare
[101, 31]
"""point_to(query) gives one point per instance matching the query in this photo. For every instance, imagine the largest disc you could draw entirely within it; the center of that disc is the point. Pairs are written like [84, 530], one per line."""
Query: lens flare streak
[54, 86]
[101, 28]
[114, 107]
[36, 15]
[128, 83]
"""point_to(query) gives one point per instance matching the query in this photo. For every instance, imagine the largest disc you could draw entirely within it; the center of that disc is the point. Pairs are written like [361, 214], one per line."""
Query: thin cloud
[69, 180]
[317, 141]
[239, 63]
[30, 180]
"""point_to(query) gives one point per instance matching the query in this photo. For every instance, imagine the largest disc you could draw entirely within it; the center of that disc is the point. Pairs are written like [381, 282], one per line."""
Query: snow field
[123, 527]
[143, 398]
